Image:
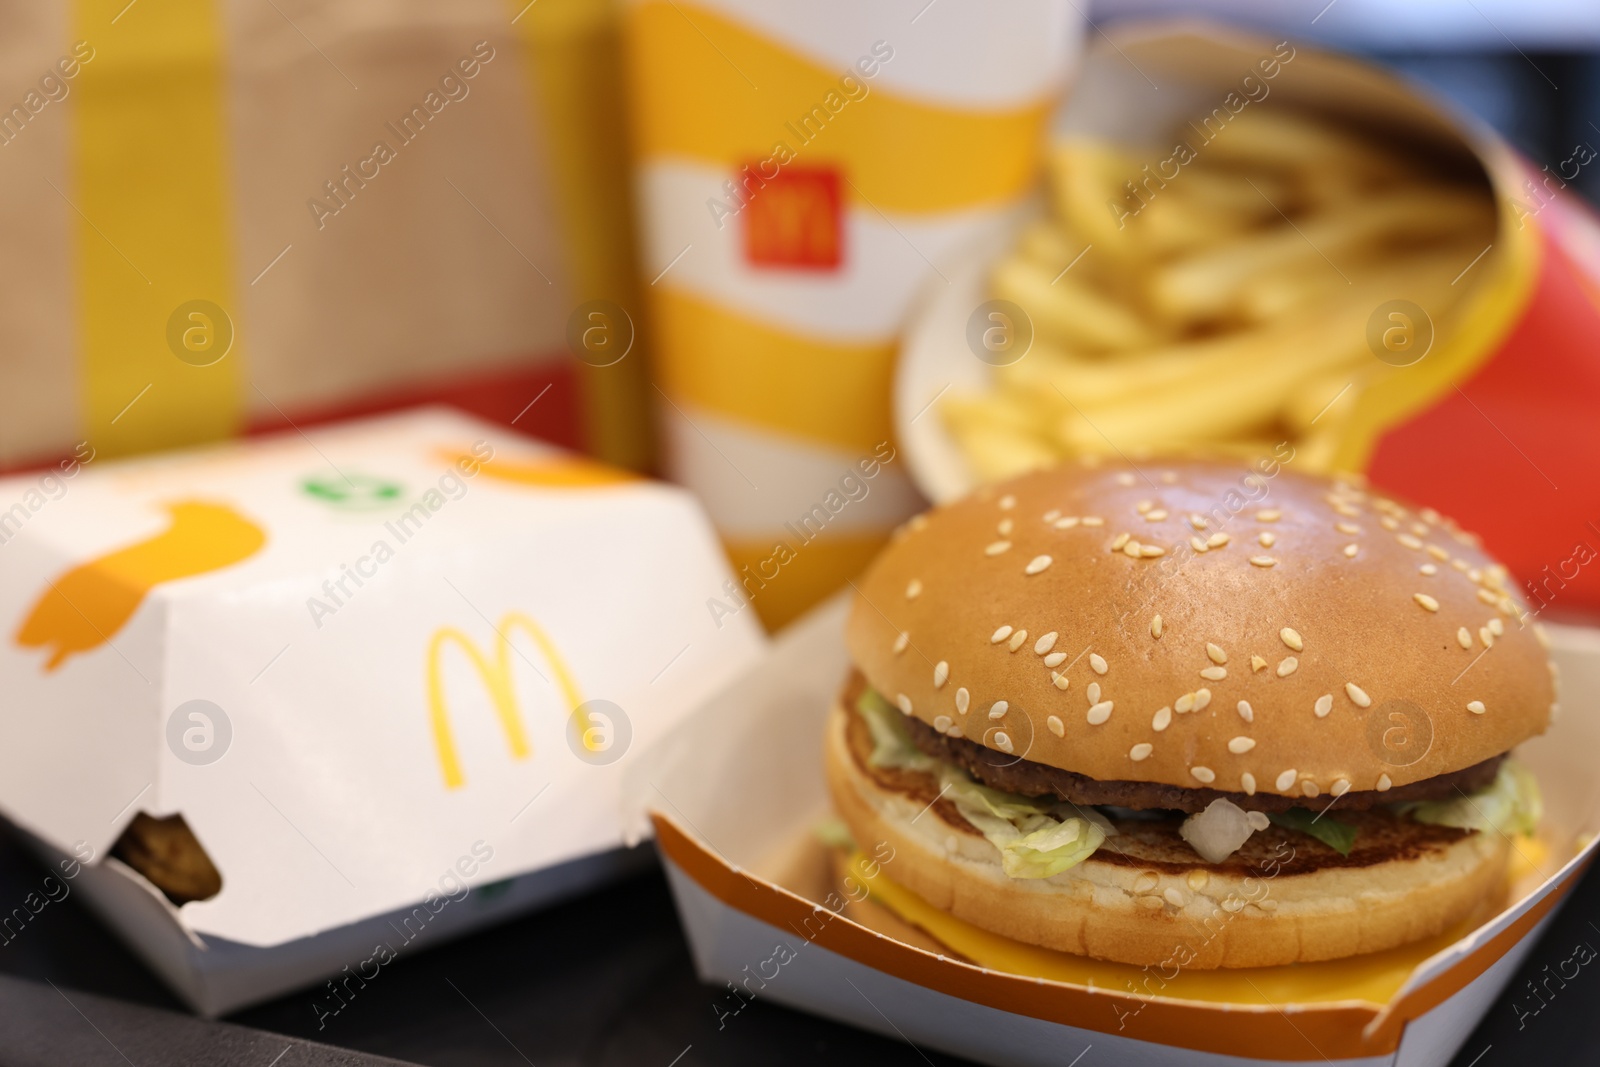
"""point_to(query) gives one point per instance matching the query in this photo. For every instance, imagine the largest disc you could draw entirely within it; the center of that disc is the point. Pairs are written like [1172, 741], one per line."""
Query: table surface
[606, 979]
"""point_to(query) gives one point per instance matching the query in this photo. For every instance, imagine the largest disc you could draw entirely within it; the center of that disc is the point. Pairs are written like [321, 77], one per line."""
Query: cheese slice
[1373, 978]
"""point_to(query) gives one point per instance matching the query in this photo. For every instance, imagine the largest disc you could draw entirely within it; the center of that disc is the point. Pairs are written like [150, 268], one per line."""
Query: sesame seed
[1384, 782]
[1476, 707]
[1267, 538]
[1151, 551]
[1097, 662]
[1420, 529]
[1045, 643]
[1269, 515]
[1198, 545]
[1184, 704]
[1198, 522]
[1429, 569]
[998, 709]
[1459, 564]
[1463, 638]
[1240, 745]
[1099, 713]
[1475, 574]
[1323, 705]
[1291, 637]
[1141, 751]
[1429, 515]
[1350, 551]
[1061, 681]
[1055, 659]
[1067, 523]
[1008, 502]
[1218, 539]
[1437, 552]
[963, 700]
[1203, 774]
[1266, 905]
[1215, 653]
[1286, 780]
[1248, 781]
[1172, 894]
[901, 641]
[1037, 564]
[1131, 549]
[1497, 627]
[1347, 528]
[1161, 720]
[1093, 520]
[1487, 597]
[1017, 640]
[1358, 696]
[942, 723]
[1310, 788]
[996, 547]
[1263, 561]
[1155, 627]
[1409, 541]
[1246, 712]
[1214, 674]
[1428, 603]
[1258, 663]
[1005, 527]
[941, 674]
[1000, 635]
[913, 588]
[1287, 666]
[1143, 507]
[1340, 787]
[1093, 692]
[1388, 523]
[1057, 727]
[1486, 636]
[1150, 903]
[1002, 741]
[1202, 697]
[1120, 540]
[1125, 478]
[1158, 515]
[1052, 515]
[904, 702]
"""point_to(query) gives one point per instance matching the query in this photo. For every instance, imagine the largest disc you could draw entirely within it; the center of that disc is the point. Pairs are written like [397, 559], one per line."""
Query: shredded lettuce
[1509, 804]
[1037, 836]
[1339, 836]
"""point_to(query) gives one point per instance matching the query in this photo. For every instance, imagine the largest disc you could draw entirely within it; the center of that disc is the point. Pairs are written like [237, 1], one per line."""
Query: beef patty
[1027, 778]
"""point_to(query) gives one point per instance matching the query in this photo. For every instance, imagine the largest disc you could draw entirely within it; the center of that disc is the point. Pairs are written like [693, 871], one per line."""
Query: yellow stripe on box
[150, 211]
[828, 393]
[693, 97]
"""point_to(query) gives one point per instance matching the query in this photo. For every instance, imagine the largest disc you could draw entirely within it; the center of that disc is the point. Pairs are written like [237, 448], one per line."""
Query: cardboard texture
[372, 200]
[760, 741]
[370, 665]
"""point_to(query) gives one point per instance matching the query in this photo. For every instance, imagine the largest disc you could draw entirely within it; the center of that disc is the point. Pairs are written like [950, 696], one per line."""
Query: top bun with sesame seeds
[1206, 625]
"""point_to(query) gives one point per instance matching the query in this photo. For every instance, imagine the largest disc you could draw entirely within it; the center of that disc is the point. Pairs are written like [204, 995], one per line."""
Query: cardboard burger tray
[743, 777]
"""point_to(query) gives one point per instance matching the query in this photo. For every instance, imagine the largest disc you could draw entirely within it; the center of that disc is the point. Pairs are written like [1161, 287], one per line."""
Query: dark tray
[599, 981]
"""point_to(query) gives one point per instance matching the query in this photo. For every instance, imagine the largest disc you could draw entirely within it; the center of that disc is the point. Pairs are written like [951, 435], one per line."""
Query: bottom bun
[1145, 898]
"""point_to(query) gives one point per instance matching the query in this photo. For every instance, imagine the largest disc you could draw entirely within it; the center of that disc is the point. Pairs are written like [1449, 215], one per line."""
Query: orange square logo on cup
[796, 220]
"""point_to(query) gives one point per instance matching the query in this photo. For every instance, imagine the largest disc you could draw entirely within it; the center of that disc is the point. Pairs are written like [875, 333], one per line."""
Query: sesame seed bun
[1145, 898]
[1326, 638]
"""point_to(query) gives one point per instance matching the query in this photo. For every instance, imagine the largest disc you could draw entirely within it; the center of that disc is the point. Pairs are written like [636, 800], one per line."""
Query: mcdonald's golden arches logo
[497, 681]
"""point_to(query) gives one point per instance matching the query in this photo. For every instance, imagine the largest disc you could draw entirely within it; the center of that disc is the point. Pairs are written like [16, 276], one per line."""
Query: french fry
[1067, 312]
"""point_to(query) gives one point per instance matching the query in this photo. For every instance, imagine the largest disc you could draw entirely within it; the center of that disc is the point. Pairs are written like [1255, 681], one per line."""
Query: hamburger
[1110, 709]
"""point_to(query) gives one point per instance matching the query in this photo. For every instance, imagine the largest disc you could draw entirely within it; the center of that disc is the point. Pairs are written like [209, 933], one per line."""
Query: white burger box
[734, 789]
[389, 672]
